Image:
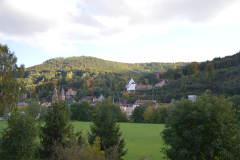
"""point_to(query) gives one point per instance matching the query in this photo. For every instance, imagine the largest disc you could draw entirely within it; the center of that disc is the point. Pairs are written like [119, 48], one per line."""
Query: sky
[129, 31]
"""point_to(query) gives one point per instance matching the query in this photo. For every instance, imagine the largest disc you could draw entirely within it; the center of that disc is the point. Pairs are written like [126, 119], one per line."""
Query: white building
[192, 98]
[130, 85]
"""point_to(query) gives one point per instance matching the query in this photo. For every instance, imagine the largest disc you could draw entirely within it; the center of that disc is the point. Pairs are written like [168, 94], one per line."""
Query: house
[143, 87]
[46, 104]
[101, 98]
[70, 94]
[130, 85]
[22, 105]
[192, 98]
[142, 102]
[86, 100]
[128, 108]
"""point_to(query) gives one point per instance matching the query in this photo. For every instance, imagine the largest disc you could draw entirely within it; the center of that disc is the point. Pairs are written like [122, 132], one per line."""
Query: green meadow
[141, 139]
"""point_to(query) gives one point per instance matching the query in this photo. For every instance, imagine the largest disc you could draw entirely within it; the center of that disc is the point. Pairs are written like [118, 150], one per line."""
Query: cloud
[58, 24]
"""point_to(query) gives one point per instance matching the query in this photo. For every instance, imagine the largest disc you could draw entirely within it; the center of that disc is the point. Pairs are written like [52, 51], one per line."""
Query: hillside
[92, 76]
[91, 63]
[220, 76]
[89, 76]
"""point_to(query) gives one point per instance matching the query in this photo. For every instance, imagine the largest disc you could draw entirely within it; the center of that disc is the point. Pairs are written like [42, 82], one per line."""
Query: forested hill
[89, 76]
[101, 65]
[220, 76]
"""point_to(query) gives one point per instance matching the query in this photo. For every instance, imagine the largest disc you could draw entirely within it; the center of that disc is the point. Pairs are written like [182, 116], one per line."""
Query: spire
[62, 89]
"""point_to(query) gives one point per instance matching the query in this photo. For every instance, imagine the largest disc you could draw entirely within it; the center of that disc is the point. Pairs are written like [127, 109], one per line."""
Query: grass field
[141, 139]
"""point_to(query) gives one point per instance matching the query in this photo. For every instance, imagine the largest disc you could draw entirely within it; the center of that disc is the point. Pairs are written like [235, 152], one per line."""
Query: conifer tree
[18, 140]
[57, 127]
[104, 126]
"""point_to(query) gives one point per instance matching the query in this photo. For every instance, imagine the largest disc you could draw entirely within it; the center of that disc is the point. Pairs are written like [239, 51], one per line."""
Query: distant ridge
[105, 65]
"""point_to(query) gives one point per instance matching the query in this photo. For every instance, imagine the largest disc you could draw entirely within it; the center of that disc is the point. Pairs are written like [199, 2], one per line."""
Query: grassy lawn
[141, 138]
[3, 124]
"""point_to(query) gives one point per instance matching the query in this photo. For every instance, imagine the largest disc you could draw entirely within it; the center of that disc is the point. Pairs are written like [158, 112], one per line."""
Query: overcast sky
[128, 31]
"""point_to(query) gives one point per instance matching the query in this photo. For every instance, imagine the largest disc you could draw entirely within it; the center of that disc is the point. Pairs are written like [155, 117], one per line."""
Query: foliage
[210, 71]
[80, 112]
[135, 135]
[104, 126]
[206, 129]
[137, 113]
[34, 108]
[236, 105]
[18, 139]
[10, 87]
[57, 127]
[82, 152]
[125, 96]
[153, 114]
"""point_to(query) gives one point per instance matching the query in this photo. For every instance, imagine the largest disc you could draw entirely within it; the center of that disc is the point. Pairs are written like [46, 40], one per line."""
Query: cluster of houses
[128, 108]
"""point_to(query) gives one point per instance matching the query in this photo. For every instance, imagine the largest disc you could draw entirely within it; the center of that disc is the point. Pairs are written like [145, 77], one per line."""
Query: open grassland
[141, 139]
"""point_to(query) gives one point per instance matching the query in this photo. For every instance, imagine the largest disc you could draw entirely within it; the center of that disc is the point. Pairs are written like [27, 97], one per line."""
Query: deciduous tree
[10, 87]
[206, 129]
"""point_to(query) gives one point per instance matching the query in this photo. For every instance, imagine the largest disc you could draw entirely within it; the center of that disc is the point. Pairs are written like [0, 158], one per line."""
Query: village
[128, 108]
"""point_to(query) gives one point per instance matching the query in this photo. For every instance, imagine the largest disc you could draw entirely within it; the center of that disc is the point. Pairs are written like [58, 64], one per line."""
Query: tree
[57, 127]
[169, 97]
[178, 73]
[104, 126]
[80, 112]
[10, 87]
[34, 108]
[149, 114]
[137, 114]
[18, 139]
[210, 71]
[236, 105]
[206, 129]
[154, 114]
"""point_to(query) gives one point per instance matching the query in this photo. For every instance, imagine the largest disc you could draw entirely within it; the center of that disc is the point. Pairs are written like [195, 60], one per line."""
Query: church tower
[55, 96]
[62, 96]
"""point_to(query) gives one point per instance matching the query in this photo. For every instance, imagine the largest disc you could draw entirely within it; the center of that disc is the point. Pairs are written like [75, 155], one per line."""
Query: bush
[83, 151]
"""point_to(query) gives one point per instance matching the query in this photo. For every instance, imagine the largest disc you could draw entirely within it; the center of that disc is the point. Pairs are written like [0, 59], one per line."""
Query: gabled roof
[130, 81]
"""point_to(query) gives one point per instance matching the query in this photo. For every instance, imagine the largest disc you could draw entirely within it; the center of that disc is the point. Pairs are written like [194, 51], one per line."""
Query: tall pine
[104, 126]
[57, 127]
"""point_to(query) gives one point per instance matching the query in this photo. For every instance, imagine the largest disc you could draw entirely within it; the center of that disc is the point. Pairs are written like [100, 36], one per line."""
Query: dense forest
[220, 76]
[91, 76]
